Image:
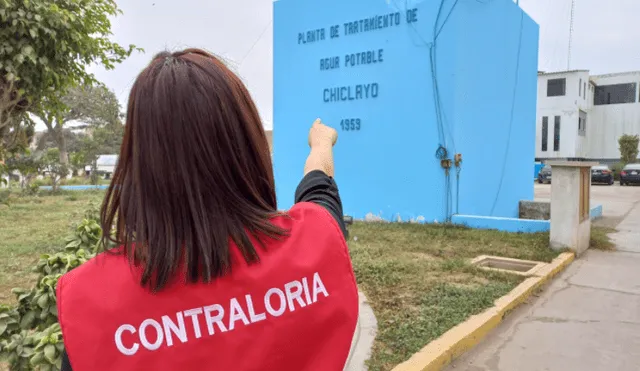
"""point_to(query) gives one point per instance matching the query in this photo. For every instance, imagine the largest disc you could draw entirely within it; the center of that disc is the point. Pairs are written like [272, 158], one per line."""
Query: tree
[77, 161]
[15, 138]
[28, 164]
[56, 170]
[45, 49]
[89, 105]
[104, 140]
[629, 148]
[73, 140]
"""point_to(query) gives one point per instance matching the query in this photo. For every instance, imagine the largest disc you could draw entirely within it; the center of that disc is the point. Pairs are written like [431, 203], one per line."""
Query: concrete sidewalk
[588, 319]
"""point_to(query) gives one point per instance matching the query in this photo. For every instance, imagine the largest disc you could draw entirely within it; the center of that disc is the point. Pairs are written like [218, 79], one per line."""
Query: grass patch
[420, 284]
[600, 239]
[31, 226]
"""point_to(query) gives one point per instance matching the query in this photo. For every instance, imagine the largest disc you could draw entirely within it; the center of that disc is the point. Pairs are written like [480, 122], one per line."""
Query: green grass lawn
[417, 277]
[32, 226]
[420, 284]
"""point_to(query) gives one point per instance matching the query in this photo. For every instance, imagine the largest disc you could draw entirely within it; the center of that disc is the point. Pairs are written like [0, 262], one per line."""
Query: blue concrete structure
[375, 71]
[595, 212]
[77, 187]
[536, 169]
[512, 224]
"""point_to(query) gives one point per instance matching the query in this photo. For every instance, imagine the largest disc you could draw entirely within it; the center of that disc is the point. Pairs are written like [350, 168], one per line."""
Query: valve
[457, 158]
[445, 163]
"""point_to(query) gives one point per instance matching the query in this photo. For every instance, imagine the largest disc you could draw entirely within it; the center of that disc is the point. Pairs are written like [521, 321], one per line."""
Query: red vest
[295, 310]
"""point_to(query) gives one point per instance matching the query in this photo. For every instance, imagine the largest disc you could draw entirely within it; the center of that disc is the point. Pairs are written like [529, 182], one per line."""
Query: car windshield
[632, 167]
[601, 167]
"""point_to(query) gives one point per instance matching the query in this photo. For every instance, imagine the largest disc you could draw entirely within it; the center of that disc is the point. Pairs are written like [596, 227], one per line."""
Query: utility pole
[573, 5]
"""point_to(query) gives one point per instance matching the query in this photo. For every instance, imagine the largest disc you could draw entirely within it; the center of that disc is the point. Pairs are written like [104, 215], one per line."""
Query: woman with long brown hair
[208, 274]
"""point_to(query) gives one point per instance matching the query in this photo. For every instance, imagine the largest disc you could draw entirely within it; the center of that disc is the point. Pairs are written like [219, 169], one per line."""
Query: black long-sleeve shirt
[316, 187]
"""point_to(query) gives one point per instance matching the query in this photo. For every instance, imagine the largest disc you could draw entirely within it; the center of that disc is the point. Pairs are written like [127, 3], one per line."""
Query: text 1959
[350, 124]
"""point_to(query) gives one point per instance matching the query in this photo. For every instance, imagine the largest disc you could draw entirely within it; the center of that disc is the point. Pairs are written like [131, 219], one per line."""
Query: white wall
[566, 107]
[568, 133]
[613, 120]
[607, 123]
[106, 168]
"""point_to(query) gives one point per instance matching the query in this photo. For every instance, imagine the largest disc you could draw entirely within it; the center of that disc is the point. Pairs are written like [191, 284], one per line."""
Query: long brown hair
[194, 172]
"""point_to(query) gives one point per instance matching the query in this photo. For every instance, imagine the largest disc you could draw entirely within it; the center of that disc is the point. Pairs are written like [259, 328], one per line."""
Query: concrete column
[570, 200]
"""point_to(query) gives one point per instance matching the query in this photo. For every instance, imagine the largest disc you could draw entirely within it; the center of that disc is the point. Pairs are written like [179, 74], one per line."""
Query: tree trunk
[61, 141]
[94, 172]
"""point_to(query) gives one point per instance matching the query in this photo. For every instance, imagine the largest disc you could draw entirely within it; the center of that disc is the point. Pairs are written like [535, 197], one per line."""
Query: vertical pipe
[573, 5]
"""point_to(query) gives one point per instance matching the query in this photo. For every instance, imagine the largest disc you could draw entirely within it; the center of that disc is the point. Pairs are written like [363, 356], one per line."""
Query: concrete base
[535, 210]
[570, 192]
[514, 225]
[508, 265]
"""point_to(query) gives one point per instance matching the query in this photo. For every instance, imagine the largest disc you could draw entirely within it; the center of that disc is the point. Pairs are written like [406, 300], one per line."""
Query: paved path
[363, 337]
[616, 201]
[588, 319]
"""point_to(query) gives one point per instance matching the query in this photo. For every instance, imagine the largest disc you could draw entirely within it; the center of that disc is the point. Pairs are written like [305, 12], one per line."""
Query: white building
[106, 164]
[582, 116]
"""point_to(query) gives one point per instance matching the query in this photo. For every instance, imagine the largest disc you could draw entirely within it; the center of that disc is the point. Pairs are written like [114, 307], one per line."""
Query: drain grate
[515, 266]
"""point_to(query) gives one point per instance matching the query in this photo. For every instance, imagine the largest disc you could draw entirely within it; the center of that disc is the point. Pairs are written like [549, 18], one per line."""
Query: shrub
[617, 168]
[4, 197]
[30, 335]
[41, 182]
[71, 198]
[629, 148]
[31, 190]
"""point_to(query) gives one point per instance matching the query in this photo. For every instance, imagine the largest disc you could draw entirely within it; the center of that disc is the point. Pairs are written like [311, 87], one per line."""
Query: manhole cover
[515, 266]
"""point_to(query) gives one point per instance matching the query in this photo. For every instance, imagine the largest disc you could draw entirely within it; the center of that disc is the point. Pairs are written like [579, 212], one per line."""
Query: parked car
[544, 176]
[601, 174]
[630, 174]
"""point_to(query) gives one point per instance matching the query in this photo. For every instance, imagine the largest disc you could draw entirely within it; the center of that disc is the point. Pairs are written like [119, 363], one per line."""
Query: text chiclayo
[374, 23]
[375, 56]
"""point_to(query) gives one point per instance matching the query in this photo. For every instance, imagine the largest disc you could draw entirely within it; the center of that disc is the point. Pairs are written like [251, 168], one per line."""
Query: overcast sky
[606, 37]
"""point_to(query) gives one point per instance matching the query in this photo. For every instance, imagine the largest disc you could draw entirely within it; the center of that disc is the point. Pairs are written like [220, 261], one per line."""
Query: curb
[363, 337]
[453, 343]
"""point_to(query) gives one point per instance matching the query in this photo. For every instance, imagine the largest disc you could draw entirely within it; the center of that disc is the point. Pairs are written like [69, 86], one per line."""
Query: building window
[615, 94]
[556, 134]
[545, 133]
[584, 85]
[556, 87]
[580, 88]
[582, 123]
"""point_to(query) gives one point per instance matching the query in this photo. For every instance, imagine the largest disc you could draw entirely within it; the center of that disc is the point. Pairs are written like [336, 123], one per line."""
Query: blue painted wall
[486, 72]
[536, 169]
